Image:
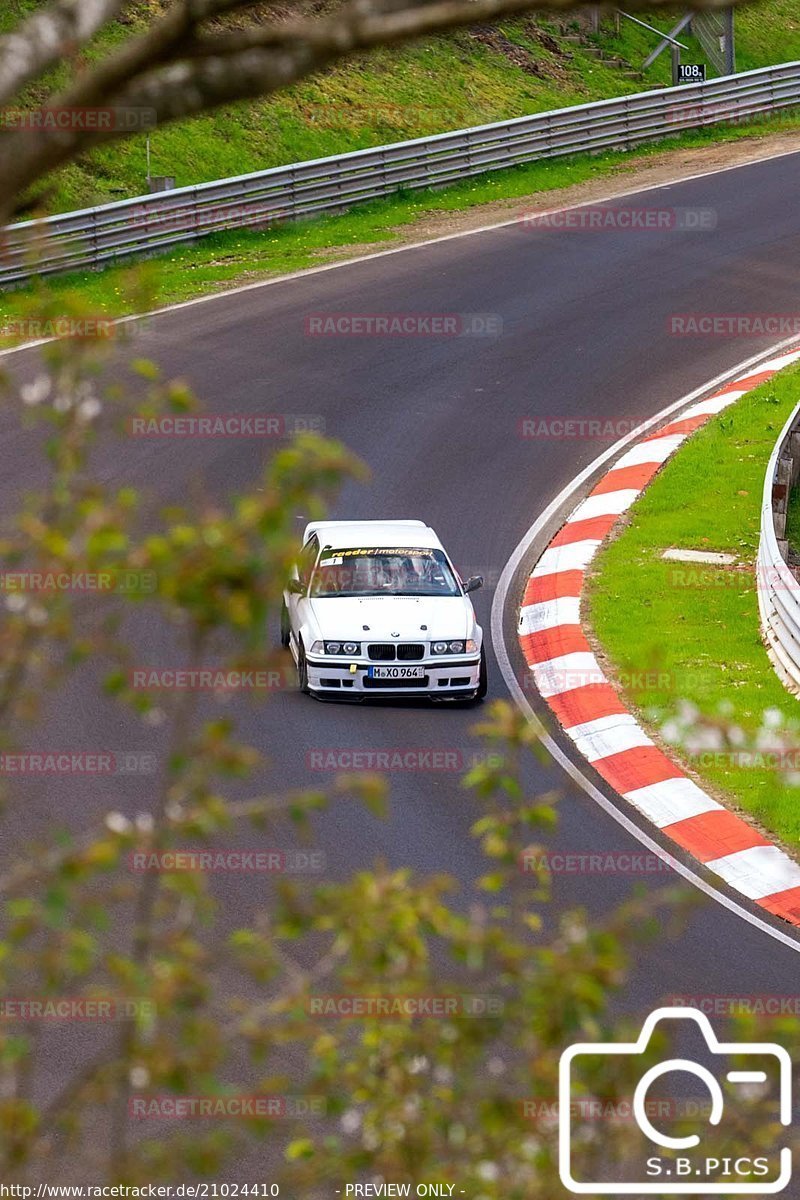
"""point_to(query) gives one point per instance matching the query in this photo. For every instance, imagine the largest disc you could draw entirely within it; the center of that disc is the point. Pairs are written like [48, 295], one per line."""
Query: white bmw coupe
[376, 608]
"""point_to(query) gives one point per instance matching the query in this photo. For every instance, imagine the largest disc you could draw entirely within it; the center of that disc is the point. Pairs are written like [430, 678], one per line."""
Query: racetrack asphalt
[584, 318]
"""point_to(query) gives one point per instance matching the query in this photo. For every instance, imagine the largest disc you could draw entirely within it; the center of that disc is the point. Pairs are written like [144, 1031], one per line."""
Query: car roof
[341, 535]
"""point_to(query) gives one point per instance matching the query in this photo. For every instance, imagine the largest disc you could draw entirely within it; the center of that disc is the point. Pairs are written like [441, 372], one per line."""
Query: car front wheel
[302, 670]
[285, 627]
[483, 679]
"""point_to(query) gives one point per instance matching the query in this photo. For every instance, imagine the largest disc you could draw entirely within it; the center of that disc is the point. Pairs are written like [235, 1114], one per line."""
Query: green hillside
[470, 77]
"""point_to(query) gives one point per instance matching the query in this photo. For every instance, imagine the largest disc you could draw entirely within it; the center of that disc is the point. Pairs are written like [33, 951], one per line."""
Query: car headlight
[349, 648]
[454, 647]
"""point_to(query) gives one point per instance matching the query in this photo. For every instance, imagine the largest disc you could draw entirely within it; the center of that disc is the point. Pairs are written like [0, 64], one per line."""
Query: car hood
[393, 618]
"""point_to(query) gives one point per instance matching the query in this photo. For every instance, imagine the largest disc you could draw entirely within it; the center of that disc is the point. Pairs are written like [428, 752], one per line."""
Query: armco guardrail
[778, 588]
[150, 223]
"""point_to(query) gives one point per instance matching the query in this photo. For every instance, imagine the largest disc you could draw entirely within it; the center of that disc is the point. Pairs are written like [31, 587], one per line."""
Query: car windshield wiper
[377, 595]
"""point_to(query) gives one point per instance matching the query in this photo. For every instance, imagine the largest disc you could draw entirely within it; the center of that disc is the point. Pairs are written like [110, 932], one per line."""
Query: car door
[297, 602]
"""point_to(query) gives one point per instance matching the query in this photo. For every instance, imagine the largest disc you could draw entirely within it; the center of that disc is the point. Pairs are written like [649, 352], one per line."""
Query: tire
[302, 670]
[483, 679]
[285, 628]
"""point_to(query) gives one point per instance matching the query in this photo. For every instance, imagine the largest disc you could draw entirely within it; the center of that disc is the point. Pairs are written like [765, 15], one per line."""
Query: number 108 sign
[691, 73]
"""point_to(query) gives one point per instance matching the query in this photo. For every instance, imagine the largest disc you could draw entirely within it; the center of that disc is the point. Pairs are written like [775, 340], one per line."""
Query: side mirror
[296, 587]
[473, 583]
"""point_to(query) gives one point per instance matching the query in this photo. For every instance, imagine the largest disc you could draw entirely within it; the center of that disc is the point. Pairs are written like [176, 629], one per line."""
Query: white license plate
[397, 672]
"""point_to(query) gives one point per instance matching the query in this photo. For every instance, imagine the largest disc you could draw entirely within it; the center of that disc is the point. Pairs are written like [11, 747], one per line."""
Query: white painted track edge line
[446, 237]
[499, 606]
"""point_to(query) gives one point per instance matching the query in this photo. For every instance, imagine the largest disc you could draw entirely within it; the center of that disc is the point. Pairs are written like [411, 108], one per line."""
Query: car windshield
[394, 571]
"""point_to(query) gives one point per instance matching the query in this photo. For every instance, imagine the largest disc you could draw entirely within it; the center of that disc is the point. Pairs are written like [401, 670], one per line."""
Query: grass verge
[694, 631]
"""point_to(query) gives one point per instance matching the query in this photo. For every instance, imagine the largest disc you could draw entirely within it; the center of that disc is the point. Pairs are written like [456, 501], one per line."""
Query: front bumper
[448, 675]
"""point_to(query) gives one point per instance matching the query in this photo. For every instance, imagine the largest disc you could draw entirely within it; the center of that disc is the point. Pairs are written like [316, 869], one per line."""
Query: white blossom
[37, 615]
[36, 392]
[350, 1121]
[89, 409]
[117, 823]
[488, 1171]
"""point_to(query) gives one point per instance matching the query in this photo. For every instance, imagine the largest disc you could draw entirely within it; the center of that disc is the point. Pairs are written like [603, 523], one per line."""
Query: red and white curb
[590, 710]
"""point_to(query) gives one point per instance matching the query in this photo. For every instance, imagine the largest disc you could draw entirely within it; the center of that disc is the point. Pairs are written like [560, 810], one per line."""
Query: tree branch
[174, 71]
[45, 37]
